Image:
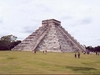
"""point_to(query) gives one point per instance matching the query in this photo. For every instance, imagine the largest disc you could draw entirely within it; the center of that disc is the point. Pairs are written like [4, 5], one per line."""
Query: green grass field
[19, 62]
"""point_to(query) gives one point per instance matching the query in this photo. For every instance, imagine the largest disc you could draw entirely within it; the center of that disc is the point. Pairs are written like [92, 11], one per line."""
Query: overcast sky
[81, 18]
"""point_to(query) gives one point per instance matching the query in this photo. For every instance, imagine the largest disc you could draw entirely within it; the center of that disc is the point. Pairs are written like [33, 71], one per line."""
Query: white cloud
[79, 17]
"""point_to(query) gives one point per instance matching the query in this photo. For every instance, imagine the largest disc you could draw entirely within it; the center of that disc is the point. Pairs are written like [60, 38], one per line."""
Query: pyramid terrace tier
[51, 36]
[50, 21]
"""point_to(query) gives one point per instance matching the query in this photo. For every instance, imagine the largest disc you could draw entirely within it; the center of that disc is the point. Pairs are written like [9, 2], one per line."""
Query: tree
[13, 44]
[93, 49]
[3, 45]
[97, 49]
[90, 48]
[9, 38]
[7, 42]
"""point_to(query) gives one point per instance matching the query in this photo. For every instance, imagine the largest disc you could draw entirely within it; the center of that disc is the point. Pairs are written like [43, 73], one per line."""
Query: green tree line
[8, 42]
[93, 49]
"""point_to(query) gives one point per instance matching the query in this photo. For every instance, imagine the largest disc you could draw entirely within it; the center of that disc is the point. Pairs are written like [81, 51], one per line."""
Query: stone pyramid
[51, 36]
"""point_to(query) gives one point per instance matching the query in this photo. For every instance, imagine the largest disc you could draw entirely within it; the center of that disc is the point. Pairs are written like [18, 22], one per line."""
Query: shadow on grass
[80, 68]
[11, 58]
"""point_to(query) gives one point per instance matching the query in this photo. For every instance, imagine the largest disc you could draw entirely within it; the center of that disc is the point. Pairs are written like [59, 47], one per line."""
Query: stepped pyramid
[51, 36]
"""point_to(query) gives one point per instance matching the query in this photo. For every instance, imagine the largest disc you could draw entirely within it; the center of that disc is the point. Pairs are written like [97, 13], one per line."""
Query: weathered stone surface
[51, 36]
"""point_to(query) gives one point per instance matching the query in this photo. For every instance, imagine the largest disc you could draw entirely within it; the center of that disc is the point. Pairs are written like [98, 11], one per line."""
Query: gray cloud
[80, 22]
[1, 21]
[1, 35]
[29, 29]
[22, 17]
[15, 2]
[66, 17]
[43, 8]
[85, 21]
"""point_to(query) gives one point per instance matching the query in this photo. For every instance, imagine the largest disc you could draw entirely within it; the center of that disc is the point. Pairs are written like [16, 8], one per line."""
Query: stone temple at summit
[51, 36]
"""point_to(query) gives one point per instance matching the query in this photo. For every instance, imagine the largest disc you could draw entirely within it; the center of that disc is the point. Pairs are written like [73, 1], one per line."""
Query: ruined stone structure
[51, 36]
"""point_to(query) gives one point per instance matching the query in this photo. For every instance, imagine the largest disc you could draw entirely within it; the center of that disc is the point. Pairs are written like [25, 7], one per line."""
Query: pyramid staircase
[51, 36]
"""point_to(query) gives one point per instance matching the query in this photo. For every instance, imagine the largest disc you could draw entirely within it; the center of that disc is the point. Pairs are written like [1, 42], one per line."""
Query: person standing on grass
[97, 53]
[75, 55]
[34, 51]
[78, 54]
[44, 51]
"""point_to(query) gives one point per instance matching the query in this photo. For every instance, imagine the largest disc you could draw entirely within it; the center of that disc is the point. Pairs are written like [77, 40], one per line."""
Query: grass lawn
[19, 62]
